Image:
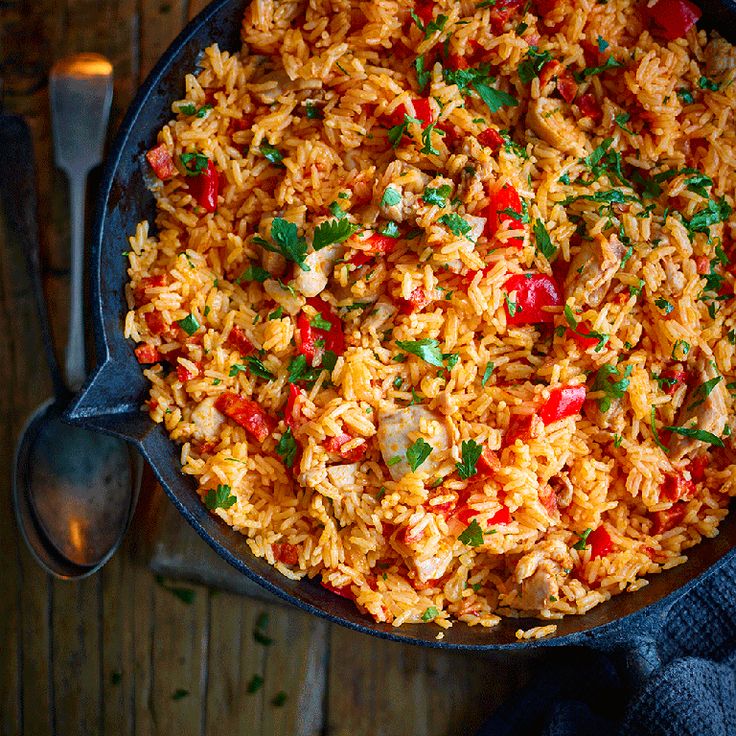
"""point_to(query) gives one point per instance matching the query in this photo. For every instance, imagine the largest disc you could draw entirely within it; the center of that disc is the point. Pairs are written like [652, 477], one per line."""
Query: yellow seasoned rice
[321, 135]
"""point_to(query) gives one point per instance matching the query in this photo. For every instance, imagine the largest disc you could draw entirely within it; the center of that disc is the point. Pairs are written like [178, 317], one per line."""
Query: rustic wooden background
[125, 653]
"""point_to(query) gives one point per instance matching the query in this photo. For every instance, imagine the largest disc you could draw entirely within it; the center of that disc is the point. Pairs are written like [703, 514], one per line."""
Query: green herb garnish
[219, 498]
[417, 453]
[189, 324]
[470, 452]
[472, 535]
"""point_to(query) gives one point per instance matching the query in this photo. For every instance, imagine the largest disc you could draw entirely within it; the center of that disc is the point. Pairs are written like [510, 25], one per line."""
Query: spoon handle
[18, 193]
[75, 357]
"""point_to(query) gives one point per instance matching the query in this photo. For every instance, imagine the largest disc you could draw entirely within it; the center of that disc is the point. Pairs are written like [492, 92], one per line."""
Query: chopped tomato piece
[186, 374]
[417, 300]
[697, 468]
[293, 412]
[545, 7]
[424, 10]
[673, 18]
[674, 378]
[505, 209]
[205, 187]
[534, 292]
[422, 112]
[668, 519]
[312, 341]
[590, 108]
[286, 553]
[455, 61]
[600, 543]
[149, 282]
[237, 338]
[676, 487]
[147, 354]
[155, 322]
[161, 162]
[564, 401]
[702, 264]
[334, 445]
[345, 591]
[488, 462]
[502, 516]
[380, 243]
[465, 514]
[520, 428]
[492, 138]
[501, 12]
[566, 85]
[246, 413]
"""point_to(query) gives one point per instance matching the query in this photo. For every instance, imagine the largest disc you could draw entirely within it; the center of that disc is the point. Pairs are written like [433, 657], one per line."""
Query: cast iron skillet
[113, 395]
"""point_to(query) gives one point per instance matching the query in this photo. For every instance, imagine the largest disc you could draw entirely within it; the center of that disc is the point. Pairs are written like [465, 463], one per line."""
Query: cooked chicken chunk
[720, 57]
[207, 419]
[700, 411]
[538, 587]
[320, 263]
[433, 567]
[291, 303]
[394, 439]
[592, 270]
[546, 117]
[405, 181]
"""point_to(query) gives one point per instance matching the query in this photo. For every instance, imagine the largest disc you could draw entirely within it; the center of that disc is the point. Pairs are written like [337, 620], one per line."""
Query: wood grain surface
[122, 652]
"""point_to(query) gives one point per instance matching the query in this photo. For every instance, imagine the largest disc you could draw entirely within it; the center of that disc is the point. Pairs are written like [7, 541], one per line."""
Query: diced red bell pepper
[545, 7]
[584, 343]
[676, 487]
[205, 187]
[422, 112]
[697, 468]
[534, 292]
[418, 299]
[566, 85]
[238, 339]
[155, 322]
[246, 413]
[455, 62]
[564, 401]
[504, 201]
[147, 354]
[424, 10]
[185, 374]
[286, 553]
[675, 378]
[600, 543]
[491, 138]
[520, 428]
[590, 108]
[161, 162]
[465, 514]
[334, 445]
[501, 12]
[502, 516]
[293, 411]
[307, 336]
[665, 520]
[380, 244]
[673, 18]
[149, 282]
[345, 591]
[488, 462]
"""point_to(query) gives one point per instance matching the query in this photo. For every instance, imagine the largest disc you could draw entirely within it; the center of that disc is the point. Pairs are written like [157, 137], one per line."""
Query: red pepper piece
[185, 374]
[566, 85]
[676, 487]
[697, 468]
[161, 162]
[147, 354]
[246, 413]
[502, 516]
[534, 292]
[155, 322]
[308, 336]
[238, 339]
[334, 446]
[668, 519]
[205, 187]
[564, 401]
[600, 543]
[673, 18]
[491, 138]
[455, 61]
[345, 591]
[422, 112]
[584, 343]
[286, 553]
[293, 412]
[520, 428]
[382, 244]
[504, 201]
[590, 108]
[488, 462]
[501, 12]
[675, 378]
[149, 282]
[417, 300]
[424, 10]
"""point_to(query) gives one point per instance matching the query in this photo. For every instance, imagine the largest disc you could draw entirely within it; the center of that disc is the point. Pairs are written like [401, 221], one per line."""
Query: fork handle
[75, 357]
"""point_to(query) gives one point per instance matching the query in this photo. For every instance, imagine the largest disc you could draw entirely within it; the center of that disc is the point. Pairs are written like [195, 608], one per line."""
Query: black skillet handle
[18, 195]
[720, 16]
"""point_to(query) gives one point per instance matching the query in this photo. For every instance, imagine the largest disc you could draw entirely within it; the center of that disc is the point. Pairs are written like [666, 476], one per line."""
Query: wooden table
[122, 653]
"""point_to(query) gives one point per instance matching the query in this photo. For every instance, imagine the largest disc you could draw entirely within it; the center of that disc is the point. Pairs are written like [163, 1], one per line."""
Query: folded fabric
[690, 688]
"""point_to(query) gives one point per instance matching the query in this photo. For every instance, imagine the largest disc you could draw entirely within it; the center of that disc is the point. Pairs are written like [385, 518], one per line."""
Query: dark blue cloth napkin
[690, 690]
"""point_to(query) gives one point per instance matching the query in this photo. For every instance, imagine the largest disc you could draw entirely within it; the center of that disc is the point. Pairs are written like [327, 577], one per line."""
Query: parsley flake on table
[417, 453]
[255, 684]
[426, 349]
[470, 452]
[472, 535]
[219, 498]
[179, 693]
[279, 699]
[332, 232]
[259, 631]
[286, 240]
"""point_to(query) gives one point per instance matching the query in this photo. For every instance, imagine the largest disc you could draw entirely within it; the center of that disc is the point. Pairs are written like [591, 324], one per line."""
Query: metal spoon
[74, 491]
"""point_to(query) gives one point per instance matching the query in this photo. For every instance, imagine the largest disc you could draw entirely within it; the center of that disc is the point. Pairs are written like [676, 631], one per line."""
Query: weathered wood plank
[159, 25]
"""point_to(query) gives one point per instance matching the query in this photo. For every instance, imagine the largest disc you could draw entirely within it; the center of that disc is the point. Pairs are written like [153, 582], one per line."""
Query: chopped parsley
[194, 163]
[427, 147]
[582, 543]
[417, 453]
[219, 498]
[272, 154]
[602, 44]
[533, 64]
[426, 349]
[189, 324]
[332, 232]
[705, 83]
[698, 182]
[437, 195]
[257, 368]
[697, 434]
[277, 313]
[478, 79]
[287, 448]
[702, 391]
[470, 453]
[430, 614]
[435, 25]
[612, 383]
[286, 241]
[455, 224]
[397, 132]
[684, 348]
[621, 119]
[686, 96]
[664, 305]
[423, 75]
[544, 243]
[313, 112]
[573, 326]
[300, 371]
[513, 307]
[591, 71]
[320, 322]
[487, 373]
[390, 197]
[714, 212]
[253, 273]
[472, 535]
